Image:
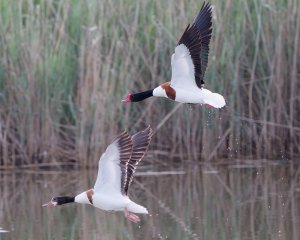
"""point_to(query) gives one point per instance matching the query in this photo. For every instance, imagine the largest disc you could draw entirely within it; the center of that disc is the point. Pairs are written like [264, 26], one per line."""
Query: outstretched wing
[140, 143]
[113, 164]
[190, 59]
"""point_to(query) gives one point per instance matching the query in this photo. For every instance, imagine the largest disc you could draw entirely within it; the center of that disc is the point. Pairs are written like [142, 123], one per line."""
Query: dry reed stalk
[65, 67]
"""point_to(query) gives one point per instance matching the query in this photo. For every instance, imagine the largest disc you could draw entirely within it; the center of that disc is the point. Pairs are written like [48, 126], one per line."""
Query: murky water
[202, 202]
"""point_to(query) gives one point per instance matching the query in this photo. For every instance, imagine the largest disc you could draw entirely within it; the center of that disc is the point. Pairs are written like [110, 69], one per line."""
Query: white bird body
[193, 95]
[110, 201]
[200, 96]
[115, 173]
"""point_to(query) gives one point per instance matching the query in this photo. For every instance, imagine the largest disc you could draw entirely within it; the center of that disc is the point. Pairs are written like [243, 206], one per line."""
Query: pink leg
[132, 217]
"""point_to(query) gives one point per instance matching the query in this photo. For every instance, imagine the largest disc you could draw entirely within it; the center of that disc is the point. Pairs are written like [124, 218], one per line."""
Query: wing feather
[190, 68]
[113, 163]
[140, 143]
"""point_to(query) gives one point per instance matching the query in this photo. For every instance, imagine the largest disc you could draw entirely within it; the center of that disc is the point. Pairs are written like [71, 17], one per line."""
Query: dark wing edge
[196, 38]
[140, 145]
[124, 143]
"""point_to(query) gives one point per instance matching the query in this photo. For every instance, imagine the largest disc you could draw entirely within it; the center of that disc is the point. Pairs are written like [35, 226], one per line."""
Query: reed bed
[65, 66]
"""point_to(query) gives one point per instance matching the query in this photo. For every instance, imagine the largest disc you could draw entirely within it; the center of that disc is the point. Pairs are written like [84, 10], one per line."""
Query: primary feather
[196, 38]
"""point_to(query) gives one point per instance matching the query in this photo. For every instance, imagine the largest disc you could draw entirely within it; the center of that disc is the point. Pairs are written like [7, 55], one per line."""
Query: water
[201, 202]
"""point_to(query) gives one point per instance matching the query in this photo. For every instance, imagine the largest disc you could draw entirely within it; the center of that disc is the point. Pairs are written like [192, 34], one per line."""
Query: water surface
[248, 201]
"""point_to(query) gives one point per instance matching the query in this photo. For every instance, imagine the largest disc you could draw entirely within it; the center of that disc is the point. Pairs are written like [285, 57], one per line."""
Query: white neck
[82, 198]
[159, 92]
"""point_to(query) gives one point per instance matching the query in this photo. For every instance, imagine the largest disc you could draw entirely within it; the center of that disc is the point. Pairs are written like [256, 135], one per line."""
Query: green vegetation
[66, 64]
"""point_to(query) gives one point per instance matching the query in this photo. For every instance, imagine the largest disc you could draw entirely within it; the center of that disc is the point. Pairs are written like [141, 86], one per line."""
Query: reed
[65, 66]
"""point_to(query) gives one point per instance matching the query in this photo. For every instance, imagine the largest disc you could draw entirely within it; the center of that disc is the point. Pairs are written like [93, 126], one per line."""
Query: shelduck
[115, 173]
[189, 64]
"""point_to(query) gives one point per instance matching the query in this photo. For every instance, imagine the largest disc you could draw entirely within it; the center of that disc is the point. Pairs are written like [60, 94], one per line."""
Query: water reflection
[202, 202]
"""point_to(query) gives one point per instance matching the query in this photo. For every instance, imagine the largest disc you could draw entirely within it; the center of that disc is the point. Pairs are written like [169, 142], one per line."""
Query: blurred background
[66, 65]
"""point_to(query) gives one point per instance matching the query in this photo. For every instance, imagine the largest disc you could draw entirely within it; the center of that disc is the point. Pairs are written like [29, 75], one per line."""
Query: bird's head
[55, 201]
[128, 98]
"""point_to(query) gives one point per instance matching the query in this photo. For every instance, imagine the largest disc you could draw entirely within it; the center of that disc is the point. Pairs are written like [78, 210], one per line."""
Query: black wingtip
[141, 141]
[203, 19]
[196, 38]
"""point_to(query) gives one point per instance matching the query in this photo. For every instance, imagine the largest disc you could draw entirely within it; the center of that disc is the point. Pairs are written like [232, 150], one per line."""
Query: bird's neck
[137, 97]
[160, 91]
[85, 197]
[65, 200]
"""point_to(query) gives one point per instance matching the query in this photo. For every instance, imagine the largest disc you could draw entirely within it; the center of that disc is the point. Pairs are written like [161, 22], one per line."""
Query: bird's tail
[213, 99]
[135, 208]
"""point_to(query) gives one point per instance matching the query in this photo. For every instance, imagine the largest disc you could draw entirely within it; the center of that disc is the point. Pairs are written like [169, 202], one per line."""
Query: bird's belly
[189, 96]
[110, 202]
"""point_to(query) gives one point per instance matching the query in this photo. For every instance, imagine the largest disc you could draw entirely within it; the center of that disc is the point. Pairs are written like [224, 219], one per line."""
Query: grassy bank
[65, 66]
